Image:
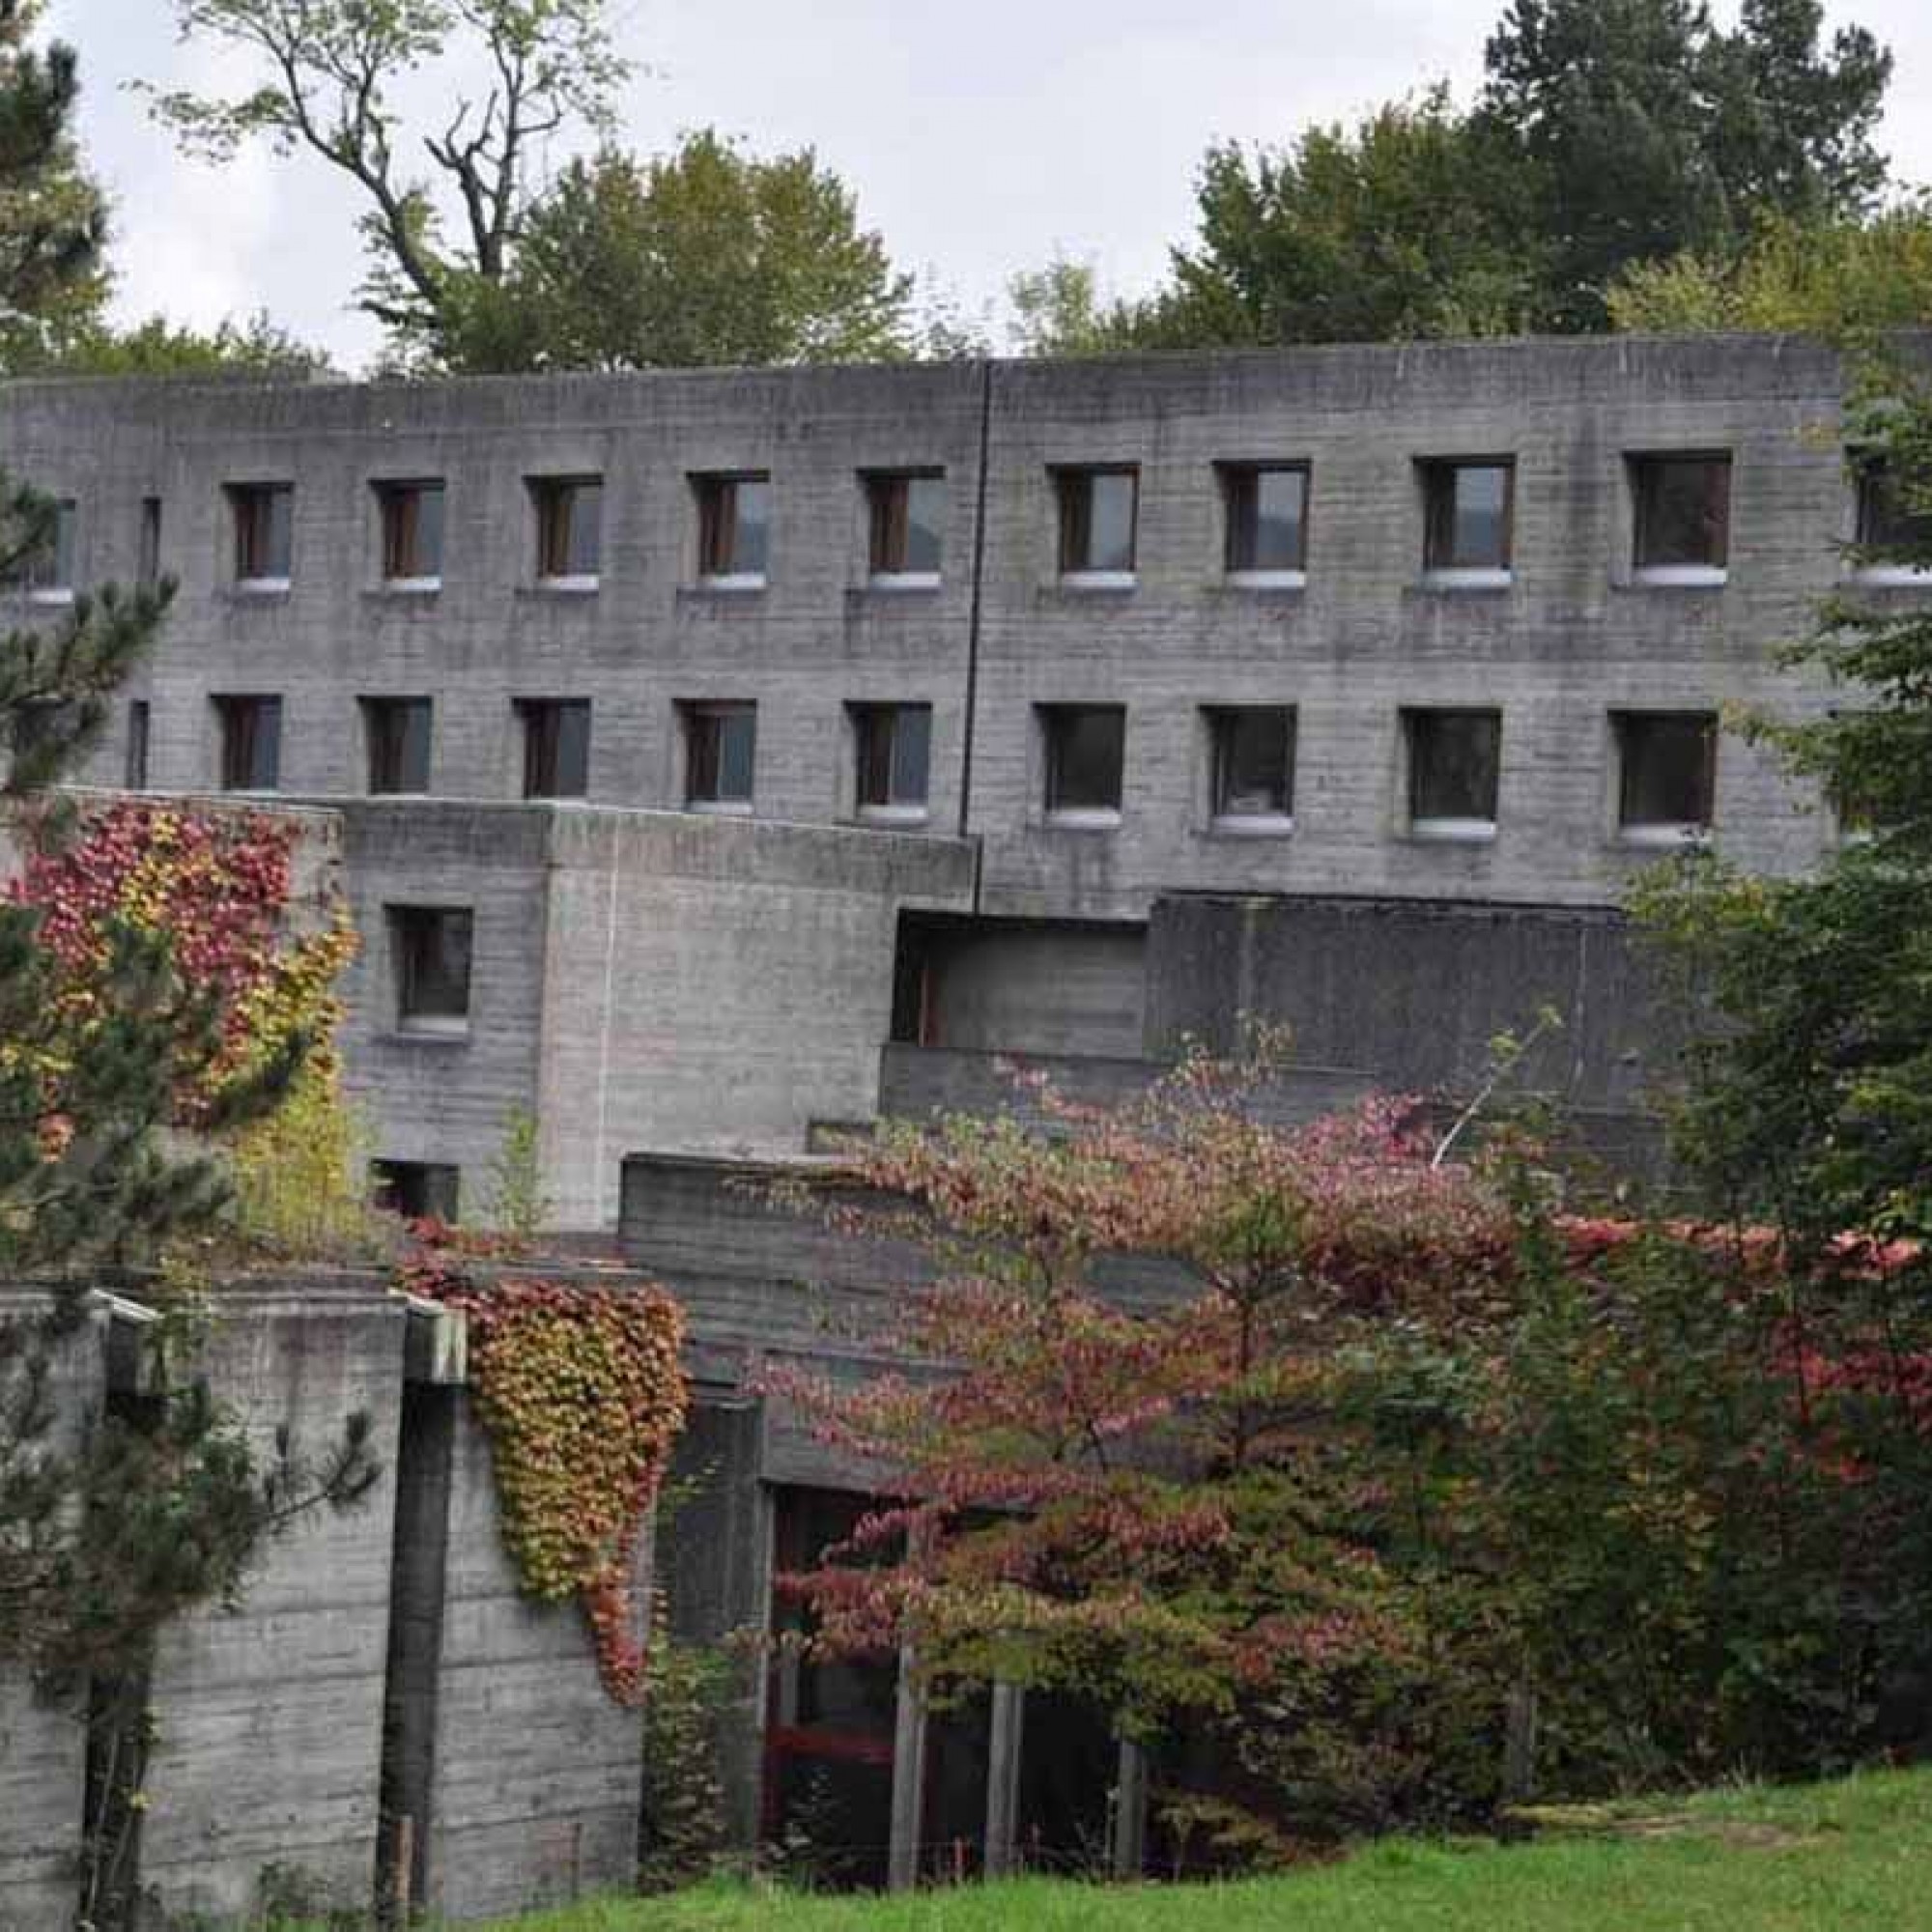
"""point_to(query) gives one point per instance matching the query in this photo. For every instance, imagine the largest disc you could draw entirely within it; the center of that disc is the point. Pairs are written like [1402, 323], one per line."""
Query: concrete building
[710, 756]
[1032, 643]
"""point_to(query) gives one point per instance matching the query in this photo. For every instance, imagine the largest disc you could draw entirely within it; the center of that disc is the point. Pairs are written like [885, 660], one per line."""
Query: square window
[397, 731]
[720, 751]
[908, 520]
[1683, 505]
[570, 530]
[432, 947]
[1668, 763]
[557, 746]
[1098, 511]
[135, 775]
[412, 533]
[1267, 518]
[734, 522]
[1892, 529]
[46, 571]
[1470, 513]
[1455, 762]
[251, 743]
[418, 1190]
[895, 747]
[1085, 753]
[1254, 763]
[264, 515]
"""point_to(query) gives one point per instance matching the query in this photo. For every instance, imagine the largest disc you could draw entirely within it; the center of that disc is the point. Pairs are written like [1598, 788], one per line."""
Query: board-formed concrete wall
[381, 1662]
[269, 1715]
[1416, 994]
[43, 1745]
[639, 979]
[1569, 637]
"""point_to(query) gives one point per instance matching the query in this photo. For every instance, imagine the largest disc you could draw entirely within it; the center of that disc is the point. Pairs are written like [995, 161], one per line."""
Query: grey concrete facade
[650, 978]
[1569, 635]
[638, 979]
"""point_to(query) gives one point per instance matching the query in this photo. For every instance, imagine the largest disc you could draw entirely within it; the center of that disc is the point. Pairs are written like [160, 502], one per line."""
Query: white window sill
[894, 582]
[450, 1030]
[261, 586]
[1459, 579]
[1681, 577]
[1084, 819]
[411, 586]
[734, 584]
[894, 815]
[579, 585]
[1251, 825]
[1453, 831]
[55, 596]
[720, 808]
[1267, 580]
[1894, 576]
[1098, 579]
[1664, 838]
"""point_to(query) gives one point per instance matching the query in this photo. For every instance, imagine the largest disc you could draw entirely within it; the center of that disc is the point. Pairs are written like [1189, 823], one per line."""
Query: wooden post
[1519, 1742]
[908, 1812]
[1003, 1777]
[403, 1883]
[1130, 1799]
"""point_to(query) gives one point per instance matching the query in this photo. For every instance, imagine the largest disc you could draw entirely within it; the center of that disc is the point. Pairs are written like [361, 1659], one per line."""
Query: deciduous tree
[709, 255]
[445, 202]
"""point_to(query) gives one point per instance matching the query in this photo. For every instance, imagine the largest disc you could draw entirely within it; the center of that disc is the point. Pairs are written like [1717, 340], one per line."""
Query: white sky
[980, 139]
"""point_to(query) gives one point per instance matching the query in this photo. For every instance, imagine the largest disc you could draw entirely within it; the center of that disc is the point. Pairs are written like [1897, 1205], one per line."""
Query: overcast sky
[980, 139]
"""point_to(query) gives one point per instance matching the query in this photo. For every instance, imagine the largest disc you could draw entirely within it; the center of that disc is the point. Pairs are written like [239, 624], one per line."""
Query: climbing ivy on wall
[217, 889]
[579, 1388]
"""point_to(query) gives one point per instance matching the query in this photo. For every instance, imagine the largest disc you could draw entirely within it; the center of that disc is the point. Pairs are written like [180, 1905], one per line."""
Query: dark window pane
[148, 563]
[1455, 758]
[1266, 518]
[556, 747]
[1683, 511]
[433, 950]
[251, 743]
[1469, 516]
[413, 530]
[263, 525]
[138, 718]
[895, 745]
[753, 548]
[1899, 530]
[570, 515]
[1085, 751]
[399, 743]
[1097, 520]
[1668, 767]
[1254, 763]
[734, 526]
[721, 750]
[417, 1191]
[926, 519]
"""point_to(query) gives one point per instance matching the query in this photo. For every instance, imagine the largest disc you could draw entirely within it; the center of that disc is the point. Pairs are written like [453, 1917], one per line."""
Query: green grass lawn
[1823, 1859]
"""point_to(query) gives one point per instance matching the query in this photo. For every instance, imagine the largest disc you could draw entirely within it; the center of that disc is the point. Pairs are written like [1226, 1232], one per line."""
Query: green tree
[159, 347]
[705, 256]
[1840, 279]
[1644, 133]
[1410, 225]
[53, 220]
[332, 72]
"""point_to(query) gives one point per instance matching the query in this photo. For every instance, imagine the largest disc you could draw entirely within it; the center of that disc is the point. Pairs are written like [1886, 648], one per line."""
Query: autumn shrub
[1400, 1467]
